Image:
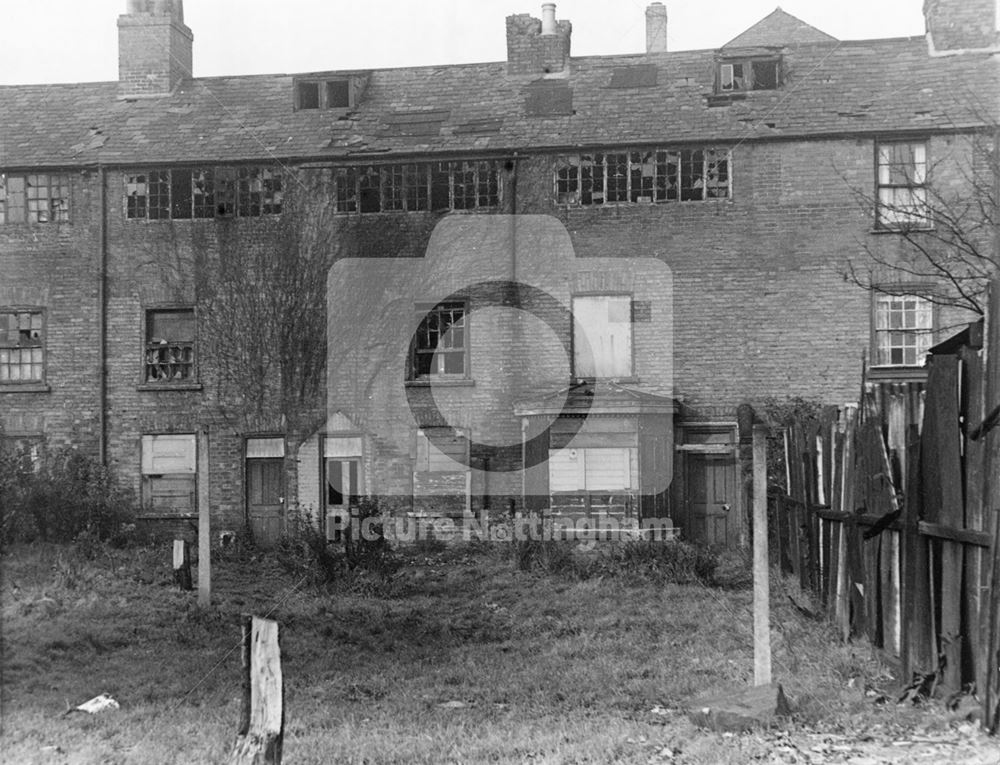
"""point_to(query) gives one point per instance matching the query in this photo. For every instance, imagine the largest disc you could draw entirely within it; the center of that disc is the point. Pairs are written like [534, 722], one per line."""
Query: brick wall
[56, 267]
[962, 24]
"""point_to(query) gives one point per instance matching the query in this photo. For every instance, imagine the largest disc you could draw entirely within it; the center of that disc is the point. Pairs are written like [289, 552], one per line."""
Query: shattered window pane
[749, 74]
[308, 95]
[22, 334]
[439, 344]
[203, 193]
[345, 183]
[643, 176]
[411, 187]
[136, 195]
[170, 345]
[36, 198]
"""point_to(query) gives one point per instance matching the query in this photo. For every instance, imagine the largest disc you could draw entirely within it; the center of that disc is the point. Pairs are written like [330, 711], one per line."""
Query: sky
[76, 40]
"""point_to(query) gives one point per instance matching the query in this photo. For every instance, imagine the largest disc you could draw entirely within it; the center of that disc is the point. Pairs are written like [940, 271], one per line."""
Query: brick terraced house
[695, 211]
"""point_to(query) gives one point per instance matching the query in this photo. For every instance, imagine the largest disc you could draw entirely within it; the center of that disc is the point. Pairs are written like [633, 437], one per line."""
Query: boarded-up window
[169, 474]
[602, 336]
[596, 469]
[442, 450]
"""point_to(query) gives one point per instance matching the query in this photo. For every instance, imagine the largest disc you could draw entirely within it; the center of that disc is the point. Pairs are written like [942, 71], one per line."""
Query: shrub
[61, 496]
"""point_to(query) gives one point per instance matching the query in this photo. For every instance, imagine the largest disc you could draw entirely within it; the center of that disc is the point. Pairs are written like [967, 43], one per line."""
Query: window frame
[749, 74]
[651, 175]
[630, 375]
[16, 311]
[929, 309]
[53, 213]
[203, 192]
[584, 473]
[185, 383]
[917, 215]
[324, 93]
[147, 477]
[406, 187]
[422, 312]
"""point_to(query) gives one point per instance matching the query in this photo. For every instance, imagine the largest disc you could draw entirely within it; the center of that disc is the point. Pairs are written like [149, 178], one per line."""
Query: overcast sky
[76, 40]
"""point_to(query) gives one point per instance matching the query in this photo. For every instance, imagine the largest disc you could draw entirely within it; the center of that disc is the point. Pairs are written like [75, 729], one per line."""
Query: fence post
[182, 565]
[262, 721]
[991, 499]
[761, 583]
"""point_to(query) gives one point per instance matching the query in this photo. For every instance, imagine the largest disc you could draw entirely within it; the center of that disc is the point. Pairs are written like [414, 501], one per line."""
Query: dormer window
[321, 93]
[740, 75]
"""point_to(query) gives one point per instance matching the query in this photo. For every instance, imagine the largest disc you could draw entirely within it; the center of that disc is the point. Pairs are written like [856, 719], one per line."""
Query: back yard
[454, 656]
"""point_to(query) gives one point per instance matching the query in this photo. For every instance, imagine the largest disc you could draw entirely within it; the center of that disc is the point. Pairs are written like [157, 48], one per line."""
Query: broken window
[184, 193]
[602, 336]
[749, 74]
[169, 474]
[902, 181]
[459, 185]
[22, 345]
[323, 94]
[170, 346]
[308, 95]
[34, 198]
[643, 176]
[904, 327]
[440, 342]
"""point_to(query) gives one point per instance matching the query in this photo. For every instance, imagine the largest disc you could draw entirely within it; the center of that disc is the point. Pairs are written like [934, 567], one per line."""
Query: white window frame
[904, 328]
[901, 203]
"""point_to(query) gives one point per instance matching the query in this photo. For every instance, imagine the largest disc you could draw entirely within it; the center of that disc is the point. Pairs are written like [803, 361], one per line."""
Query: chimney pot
[549, 19]
[656, 28]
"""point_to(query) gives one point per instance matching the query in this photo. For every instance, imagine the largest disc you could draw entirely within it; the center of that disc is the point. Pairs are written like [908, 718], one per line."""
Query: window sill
[886, 372]
[169, 386]
[901, 230]
[25, 388]
[440, 383]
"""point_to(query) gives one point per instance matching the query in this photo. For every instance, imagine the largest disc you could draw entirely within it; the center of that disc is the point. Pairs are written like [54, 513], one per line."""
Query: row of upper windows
[633, 176]
[902, 334]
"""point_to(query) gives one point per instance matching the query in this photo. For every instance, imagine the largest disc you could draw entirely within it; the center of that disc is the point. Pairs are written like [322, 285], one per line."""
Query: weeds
[62, 495]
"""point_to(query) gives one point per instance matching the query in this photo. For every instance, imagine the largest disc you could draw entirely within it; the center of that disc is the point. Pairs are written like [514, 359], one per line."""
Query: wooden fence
[888, 518]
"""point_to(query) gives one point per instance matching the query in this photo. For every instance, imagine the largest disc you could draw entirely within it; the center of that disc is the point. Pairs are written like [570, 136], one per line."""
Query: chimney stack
[656, 28]
[538, 46]
[549, 19]
[154, 48]
[954, 26]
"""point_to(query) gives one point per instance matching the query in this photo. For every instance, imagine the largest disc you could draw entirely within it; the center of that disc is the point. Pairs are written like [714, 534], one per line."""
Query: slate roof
[776, 29]
[830, 87]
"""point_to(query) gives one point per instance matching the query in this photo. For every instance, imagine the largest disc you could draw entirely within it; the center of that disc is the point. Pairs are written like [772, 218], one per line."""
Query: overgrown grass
[461, 657]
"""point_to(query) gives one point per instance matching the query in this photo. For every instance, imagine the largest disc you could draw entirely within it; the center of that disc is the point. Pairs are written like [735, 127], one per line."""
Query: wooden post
[204, 525]
[182, 565]
[991, 500]
[761, 583]
[262, 720]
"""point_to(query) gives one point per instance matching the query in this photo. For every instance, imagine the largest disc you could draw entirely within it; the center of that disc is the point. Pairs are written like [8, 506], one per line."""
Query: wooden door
[266, 498]
[711, 490]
